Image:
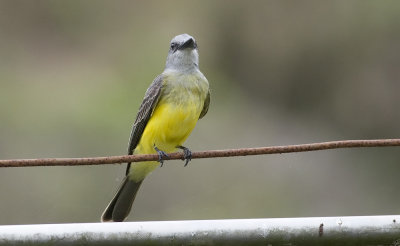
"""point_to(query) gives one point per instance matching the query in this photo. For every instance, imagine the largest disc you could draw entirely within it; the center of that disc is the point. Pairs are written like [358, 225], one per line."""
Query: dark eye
[173, 46]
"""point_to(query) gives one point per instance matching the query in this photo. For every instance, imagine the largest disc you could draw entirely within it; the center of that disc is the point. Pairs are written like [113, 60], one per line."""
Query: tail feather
[120, 206]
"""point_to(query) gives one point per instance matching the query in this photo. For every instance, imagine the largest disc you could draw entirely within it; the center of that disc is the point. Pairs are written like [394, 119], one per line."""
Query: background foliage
[73, 73]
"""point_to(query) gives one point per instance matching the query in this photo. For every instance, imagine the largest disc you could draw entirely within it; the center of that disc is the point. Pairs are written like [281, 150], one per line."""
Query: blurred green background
[73, 74]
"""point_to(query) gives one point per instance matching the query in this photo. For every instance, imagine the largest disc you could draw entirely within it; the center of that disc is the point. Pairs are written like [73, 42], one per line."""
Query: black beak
[188, 44]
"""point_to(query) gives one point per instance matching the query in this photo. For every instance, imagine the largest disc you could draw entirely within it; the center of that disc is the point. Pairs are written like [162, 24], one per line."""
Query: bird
[171, 107]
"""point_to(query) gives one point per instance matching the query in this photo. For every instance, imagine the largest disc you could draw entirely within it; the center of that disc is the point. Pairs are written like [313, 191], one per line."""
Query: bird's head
[183, 55]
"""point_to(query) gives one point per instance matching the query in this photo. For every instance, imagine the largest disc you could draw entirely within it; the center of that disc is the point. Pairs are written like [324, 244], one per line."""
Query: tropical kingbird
[173, 103]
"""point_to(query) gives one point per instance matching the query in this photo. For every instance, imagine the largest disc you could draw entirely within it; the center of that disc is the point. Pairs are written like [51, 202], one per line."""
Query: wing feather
[145, 111]
[205, 106]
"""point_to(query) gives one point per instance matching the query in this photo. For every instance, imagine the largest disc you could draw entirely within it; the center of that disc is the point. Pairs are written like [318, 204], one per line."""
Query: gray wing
[145, 111]
[205, 107]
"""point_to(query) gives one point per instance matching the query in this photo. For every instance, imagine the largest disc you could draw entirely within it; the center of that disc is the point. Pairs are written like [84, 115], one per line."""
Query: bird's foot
[187, 154]
[161, 156]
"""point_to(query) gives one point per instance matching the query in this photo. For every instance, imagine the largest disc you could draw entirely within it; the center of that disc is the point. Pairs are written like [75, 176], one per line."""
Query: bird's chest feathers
[184, 96]
[178, 110]
[184, 90]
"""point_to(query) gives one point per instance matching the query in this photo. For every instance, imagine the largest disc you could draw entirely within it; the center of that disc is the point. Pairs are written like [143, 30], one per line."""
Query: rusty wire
[201, 154]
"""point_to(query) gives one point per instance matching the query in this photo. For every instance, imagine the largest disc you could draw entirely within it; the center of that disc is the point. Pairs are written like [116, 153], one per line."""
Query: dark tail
[121, 204]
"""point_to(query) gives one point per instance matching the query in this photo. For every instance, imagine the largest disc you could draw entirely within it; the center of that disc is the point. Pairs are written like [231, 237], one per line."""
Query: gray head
[183, 54]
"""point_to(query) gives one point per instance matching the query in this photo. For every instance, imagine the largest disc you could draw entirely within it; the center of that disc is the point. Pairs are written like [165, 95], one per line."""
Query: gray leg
[161, 156]
[187, 154]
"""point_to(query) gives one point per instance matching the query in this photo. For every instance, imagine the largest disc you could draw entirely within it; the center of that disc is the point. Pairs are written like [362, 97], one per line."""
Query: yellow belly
[169, 126]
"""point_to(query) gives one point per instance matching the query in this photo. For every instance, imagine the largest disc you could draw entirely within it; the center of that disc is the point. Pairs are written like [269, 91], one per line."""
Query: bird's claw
[161, 156]
[187, 154]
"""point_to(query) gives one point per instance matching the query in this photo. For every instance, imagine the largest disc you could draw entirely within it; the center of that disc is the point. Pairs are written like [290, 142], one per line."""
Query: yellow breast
[173, 119]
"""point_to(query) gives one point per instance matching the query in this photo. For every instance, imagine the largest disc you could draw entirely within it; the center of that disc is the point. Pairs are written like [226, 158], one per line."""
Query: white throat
[186, 60]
